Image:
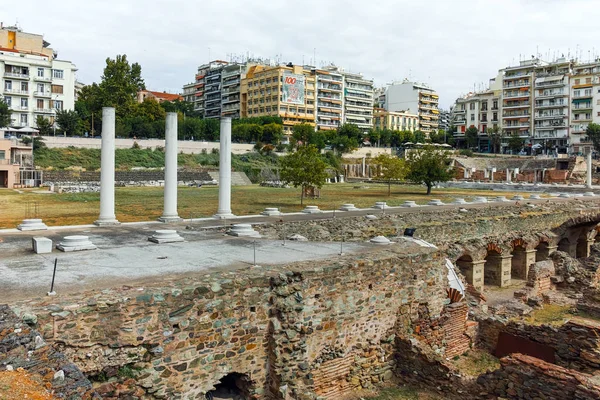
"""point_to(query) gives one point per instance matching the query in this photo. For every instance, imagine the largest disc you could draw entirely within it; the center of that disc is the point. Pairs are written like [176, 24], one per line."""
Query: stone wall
[576, 344]
[123, 178]
[524, 377]
[323, 328]
[23, 347]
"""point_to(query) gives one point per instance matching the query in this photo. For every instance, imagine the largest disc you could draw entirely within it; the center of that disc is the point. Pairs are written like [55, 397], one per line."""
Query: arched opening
[465, 265]
[518, 266]
[232, 386]
[492, 269]
[564, 245]
[542, 252]
[583, 245]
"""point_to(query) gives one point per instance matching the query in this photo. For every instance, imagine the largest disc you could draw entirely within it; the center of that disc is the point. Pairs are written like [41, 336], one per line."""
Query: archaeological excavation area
[320, 318]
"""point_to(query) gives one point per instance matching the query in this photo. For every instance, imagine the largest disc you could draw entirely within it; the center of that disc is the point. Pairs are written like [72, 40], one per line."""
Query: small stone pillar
[170, 201]
[589, 170]
[224, 210]
[508, 175]
[107, 171]
[505, 269]
[364, 167]
[473, 272]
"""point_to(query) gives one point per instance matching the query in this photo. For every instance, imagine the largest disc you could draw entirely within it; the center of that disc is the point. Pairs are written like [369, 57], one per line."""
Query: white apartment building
[417, 98]
[33, 81]
[358, 100]
[584, 105]
[329, 88]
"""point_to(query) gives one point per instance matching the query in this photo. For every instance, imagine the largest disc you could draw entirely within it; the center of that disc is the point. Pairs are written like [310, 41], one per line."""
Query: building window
[57, 89]
[7, 100]
[40, 72]
[58, 73]
[471, 106]
[23, 102]
[577, 81]
[472, 117]
[588, 80]
[2, 155]
[8, 85]
[23, 118]
[58, 104]
[495, 104]
[40, 104]
[24, 87]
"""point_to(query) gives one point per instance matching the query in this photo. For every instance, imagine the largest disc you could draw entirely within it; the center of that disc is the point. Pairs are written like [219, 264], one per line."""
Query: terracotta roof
[165, 96]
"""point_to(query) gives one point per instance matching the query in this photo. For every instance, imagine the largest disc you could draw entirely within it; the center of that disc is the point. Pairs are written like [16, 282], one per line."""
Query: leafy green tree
[428, 166]
[38, 142]
[419, 137]
[190, 128]
[149, 109]
[69, 122]
[593, 132]
[5, 113]
[43, 125]
[495, 134]
[471, 136]
[272, 133]
[342, 144]
[179, 106]
[392, 169]
[515, 143]
[304, 168]
[374, 136]
[305, 135]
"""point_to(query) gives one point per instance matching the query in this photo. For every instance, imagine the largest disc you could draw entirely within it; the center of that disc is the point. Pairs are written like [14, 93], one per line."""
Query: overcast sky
[450, 44]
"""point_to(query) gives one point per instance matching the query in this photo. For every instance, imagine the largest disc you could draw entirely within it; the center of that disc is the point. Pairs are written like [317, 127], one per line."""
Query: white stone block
[535, 197]
[243, 230]
[165, 236]
[479, 200]
[380, 240]
[271, 212]
[518, 197]
[381, 205]
[75, 243]
[564, 195]
[41, 245]
[500, 199]
[459, 201]
[348, 207]
[311, 210]
[589, 194]
[409, 203]
[435, 202]
[297, 238]
[32, 225]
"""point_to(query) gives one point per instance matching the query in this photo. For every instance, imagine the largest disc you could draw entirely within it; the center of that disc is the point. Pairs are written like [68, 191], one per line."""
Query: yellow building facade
[262, 94]
[395, 120]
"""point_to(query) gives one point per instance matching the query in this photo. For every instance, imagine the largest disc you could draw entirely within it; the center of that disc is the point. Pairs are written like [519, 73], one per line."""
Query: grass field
[144, 204]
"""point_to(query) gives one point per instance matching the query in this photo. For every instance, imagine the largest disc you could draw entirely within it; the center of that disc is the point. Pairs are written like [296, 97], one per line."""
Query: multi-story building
[195, 92]
[418, 98]
[395, 120]
[189, 93]
[212, 90]
[284, 90]
[231, 84]
[444, 121]
[584, 104]
[358, 100]
[551, 106]
[517, 103]
[34, 81]
[329, 89]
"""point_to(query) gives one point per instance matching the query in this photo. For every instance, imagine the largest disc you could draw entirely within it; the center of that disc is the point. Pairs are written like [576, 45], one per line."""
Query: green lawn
[142, 204]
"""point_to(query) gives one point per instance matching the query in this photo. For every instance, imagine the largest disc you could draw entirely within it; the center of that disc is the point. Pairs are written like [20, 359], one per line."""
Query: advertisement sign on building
[293, 88]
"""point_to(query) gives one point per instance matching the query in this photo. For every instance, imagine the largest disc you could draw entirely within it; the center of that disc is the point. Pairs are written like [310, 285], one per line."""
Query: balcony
[16, 75]
[42, 94]
[514, 115]
[551, 116]
[516, 84]
[329, 105]
[231, 82]
[517, 125]
[329, 96]
[232, 99]
[42, 78]
[44, 110]
[19, 108]
[16, 92]
[582, 106]
[583, 96]
[550, 95]
[583, 119]
[518, 105]
[521, 94]
[551, 126]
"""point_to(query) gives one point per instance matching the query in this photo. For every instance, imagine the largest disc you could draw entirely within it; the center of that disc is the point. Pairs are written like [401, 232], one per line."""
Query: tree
[495, 134]
[69, 122]
[304, 168]
[392, 169]
[346, 139]
[43, 125]
[4, 113]
[305, 135]
[428, 166]
[272, 133]
[515, 143]
[593, 132]
[419, 137]
[38, 142]
[471, 136]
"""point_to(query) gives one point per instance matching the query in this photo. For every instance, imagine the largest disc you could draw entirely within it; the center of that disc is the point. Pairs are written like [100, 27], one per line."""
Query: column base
[107, 222]
[223, 215]
[176, 218]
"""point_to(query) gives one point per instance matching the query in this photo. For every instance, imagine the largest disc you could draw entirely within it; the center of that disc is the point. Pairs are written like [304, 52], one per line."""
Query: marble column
[589, 170]
[170, 201]
[107, 171]
[224, 210]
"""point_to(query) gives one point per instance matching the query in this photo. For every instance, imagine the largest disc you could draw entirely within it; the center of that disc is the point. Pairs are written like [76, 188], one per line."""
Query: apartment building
[284, 90]
[517, 104]
[358, 100]
[34, 81]
[416, 97]
[330, 97]
[395, 120]
[480, 110]
[444, 121]
[584, 104]
[551, 105]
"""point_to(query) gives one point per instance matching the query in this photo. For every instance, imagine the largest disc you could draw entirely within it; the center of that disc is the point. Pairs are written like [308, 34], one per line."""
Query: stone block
[535, 197]
[348, 207]
[75, 243]
[311, 210]
[409, 203]
[32, 225]
[243, 230]
[501, 199]
[41, 245]
[271, 212]
[518, 197]
[459, 201]
[381, 205]
[165, 236]
[564, 195]
[480, 200]
[380, 240]
[435, 202]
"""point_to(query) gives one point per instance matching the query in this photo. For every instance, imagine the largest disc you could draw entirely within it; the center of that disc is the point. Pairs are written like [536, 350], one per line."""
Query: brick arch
[494, 247]
[519, 242]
